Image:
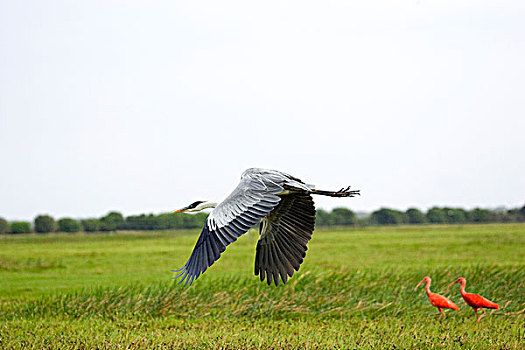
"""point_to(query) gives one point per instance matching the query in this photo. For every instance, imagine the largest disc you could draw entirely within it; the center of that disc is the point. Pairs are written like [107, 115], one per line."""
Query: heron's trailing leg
[343, 192]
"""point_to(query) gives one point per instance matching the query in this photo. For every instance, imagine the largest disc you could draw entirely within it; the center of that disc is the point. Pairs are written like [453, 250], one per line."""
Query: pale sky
[147, 106]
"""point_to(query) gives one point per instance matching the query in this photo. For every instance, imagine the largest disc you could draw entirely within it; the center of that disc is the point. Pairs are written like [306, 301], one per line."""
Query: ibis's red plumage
[441, 301]
[437, 300]
[475, 301]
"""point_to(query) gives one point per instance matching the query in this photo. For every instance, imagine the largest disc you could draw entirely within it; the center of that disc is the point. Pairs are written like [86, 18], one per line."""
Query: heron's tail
[343, 192]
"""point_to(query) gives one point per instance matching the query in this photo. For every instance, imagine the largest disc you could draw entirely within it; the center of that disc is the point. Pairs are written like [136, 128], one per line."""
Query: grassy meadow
[355, 289]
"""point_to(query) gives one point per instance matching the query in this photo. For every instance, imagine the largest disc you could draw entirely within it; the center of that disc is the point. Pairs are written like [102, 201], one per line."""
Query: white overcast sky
[146, 106]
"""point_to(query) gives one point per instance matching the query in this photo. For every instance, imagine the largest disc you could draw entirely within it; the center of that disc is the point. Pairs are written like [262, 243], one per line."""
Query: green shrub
[4, 226]
[322, 217]
[167, 221]
[415, 216]
[91, 225]
[20, 227]
[385, 216]
[521, 214]
[114, 220]
[342, 217]
[455, 215]
[194, 220]
[480, 215]
[68, 225]
[140, 222]
[436, 216]
[44, 224]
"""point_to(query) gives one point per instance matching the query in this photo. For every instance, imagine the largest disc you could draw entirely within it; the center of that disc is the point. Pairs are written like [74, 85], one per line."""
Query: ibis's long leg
[482, 315]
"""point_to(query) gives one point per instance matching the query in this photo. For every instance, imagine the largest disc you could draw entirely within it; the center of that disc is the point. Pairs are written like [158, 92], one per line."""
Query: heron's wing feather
[284, 237]
[251, 200]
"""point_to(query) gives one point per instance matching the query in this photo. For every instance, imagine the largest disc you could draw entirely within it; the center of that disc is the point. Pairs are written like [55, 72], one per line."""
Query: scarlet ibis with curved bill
[435, 299]
[475, 301]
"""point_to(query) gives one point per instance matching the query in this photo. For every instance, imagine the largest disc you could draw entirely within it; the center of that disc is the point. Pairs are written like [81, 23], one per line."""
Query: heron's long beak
[180, 210]
[450, 285]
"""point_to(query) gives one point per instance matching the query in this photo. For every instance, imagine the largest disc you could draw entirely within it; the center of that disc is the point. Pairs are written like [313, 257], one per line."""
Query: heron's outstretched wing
[284, 236]
[251, 200]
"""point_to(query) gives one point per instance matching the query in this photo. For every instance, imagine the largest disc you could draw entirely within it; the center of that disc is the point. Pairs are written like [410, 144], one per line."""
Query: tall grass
[345, 293]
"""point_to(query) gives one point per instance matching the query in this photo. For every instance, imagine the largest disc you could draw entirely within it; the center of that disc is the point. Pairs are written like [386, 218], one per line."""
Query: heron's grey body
[285, 206]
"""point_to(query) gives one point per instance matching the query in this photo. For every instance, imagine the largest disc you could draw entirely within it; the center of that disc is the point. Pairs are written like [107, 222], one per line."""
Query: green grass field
[355, 289]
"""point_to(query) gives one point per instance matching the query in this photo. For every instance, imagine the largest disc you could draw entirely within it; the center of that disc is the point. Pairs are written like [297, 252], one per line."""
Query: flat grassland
[355, 289]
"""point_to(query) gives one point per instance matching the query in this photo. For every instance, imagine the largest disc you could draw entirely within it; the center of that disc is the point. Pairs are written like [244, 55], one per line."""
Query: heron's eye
[193, 205]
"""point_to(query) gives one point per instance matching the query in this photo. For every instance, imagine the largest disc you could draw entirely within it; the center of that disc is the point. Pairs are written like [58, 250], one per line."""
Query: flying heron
[284, 206]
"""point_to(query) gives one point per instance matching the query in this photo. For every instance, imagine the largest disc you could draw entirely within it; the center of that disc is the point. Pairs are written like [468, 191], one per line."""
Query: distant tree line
[111, 222]
[337, 217]
[435, 215]
[445, 215]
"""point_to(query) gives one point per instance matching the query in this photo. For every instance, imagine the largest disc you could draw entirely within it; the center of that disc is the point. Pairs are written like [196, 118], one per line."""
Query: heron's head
[459, 280]
[196, 206]
[425, 279]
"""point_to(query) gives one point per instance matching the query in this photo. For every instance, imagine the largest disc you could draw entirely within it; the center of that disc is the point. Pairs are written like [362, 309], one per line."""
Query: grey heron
[284, 206]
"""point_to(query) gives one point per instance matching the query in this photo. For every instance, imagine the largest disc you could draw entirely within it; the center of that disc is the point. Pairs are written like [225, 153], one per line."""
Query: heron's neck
[205, 205]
